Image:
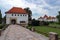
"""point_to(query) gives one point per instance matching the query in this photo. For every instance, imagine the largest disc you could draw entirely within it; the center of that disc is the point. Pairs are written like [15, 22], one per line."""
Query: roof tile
[16, 10]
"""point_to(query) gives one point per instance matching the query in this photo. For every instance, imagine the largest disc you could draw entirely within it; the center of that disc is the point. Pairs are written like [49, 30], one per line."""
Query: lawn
[54, 24]
[44, 29]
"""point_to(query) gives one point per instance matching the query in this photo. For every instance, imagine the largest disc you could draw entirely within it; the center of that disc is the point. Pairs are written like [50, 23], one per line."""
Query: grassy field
[44, 29]
[54, 24]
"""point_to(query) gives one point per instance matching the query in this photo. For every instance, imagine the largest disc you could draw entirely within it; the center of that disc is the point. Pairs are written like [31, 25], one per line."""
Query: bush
[38, 23]
[1, 26]
[44, 23]
[35, 23]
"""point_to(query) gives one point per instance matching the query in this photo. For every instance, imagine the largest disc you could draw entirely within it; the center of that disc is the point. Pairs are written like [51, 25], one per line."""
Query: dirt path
[16, 32]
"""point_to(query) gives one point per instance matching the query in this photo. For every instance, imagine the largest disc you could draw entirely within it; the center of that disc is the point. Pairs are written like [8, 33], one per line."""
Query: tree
[58, 17]
[0, 17]
[29, 14]
[35, 22]
[4, 19]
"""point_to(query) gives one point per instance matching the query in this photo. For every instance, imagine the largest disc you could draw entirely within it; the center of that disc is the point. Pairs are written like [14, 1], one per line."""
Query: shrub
[1, 26]
[44, 23]
[35, 23]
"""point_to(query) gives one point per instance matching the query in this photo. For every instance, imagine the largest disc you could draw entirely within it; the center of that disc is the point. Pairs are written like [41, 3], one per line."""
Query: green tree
[29, 14]
[35, 22]
[58, 17]
[0, 17]
[4, 19]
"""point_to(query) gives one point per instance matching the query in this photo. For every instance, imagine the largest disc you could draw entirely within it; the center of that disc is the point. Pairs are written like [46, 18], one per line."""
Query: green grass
[54, 24]
[44, 29]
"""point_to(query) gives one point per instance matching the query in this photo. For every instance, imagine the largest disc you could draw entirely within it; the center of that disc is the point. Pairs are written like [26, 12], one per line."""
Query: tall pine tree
[0, 17]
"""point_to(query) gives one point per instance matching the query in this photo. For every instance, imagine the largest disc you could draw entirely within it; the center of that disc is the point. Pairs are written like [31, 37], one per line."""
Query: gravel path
[16, 32]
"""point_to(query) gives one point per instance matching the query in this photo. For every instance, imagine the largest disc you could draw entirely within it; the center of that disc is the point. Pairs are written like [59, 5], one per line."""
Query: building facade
[48, 18]
[17, 16]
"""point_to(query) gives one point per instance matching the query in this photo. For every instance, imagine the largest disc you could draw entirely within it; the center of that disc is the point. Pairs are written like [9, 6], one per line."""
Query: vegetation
[38, 23]
[43, 23]
[55, 24]
[4, 20]
[0, 17]
[45, 30]
[29, 15]
[35, 22]
[1, 26]
[58, 16]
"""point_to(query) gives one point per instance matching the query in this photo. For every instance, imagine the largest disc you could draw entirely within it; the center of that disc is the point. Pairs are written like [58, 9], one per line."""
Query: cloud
[38, 7]
[53, 2]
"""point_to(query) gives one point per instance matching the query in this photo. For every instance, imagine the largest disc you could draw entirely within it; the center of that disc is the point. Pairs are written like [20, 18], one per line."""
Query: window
[15, 14]
[21, 15]
[22, 21]
[25, 15]
[12, 14]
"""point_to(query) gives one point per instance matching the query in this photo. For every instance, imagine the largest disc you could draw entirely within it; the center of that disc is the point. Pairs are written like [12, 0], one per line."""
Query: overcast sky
[38, 7]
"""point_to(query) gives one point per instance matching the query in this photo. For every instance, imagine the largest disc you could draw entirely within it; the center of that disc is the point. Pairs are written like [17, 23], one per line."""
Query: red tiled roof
[45, 16]
[16, 10]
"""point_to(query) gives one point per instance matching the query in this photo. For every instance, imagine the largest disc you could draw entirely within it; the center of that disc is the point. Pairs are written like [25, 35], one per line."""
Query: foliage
[51, 22]
[44, 23]
[29, 15]
[35, 22]
[1, 26]
[58, 16]
[28, 11]
[4, 19]
[0, 17]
